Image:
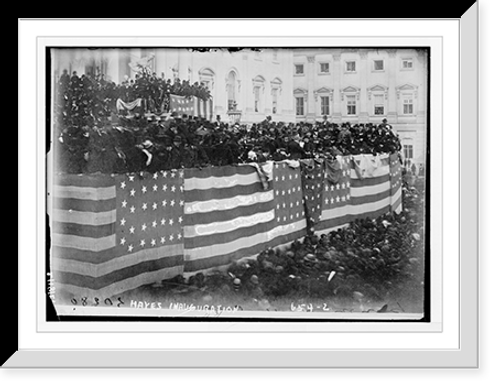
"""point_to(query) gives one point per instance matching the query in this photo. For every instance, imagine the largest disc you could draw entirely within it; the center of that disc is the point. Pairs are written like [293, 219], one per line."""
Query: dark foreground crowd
[140, 144]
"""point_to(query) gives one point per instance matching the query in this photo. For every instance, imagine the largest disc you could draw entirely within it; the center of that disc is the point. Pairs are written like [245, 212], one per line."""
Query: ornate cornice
[377, 88]
[350, 90]
[408, 87]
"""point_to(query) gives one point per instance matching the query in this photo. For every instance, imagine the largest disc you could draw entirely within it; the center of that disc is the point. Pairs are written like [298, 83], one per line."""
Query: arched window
[207, 78]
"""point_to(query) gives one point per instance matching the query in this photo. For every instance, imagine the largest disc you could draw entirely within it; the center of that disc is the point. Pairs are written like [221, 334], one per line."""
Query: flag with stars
[396, 181]
[312, 188]
[336, 199]
[288, 204]
[182, 105]
[114, 233]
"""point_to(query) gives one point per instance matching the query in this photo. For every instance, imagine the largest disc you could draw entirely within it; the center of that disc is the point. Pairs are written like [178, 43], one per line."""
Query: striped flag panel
[113, 233]
[228, 215]
[203, 108]
[370, 193]
[364, 191]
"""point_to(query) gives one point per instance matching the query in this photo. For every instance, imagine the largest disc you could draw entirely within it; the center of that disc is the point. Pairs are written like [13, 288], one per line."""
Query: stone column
[421, 98]
[135, 54]
[364, 69]
[392, 103]
[421, 107]
[161, 65]
[113, 65]
[184, 65]
[246, 91]
[336, 96]
[311, 77]
[266, 89]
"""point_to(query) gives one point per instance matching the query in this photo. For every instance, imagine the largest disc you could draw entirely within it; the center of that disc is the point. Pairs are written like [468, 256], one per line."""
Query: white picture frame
[451, 341]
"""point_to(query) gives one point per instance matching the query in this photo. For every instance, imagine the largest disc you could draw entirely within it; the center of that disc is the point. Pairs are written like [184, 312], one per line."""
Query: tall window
[351, 105]
[299, 106]
[274, 93]
[256, 94]
[378, 105]
[325, 105]
[408, 151]
[407, 104]
[231, 91]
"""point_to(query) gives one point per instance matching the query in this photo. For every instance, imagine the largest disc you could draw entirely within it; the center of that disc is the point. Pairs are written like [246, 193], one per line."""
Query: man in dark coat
[74, 81]
[175, 153]
[64, 80]
[294, 149]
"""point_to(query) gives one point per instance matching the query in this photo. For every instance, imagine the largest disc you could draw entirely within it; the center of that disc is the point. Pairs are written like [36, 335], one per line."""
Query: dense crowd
[90, 99]
[147, 144]
[94, 136]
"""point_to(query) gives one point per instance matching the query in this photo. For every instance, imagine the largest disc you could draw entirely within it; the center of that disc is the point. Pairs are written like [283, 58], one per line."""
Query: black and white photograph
[270, 183]
[263, 194]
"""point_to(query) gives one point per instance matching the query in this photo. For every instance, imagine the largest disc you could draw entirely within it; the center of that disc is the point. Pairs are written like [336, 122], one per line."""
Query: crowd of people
[94, 136]
[91, 99]
[142, 143]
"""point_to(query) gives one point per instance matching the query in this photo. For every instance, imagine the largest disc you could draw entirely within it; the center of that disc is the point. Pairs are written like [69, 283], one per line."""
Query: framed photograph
[248, 200]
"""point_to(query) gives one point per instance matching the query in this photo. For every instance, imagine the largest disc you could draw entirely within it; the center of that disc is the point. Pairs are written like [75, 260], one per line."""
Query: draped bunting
[265, 172]
[365, 165]
[113, 233]
[121, 105]
[333, 170]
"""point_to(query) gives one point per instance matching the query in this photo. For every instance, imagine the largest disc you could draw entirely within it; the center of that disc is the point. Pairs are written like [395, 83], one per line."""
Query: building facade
[246, 85]
[366, 85]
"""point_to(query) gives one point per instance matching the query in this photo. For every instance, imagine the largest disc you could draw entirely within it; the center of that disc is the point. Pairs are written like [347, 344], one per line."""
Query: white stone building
[356, 85]
[246, 85]
[366, 85]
